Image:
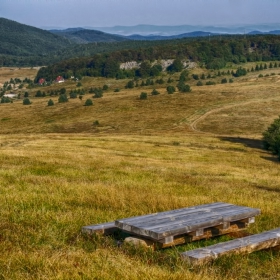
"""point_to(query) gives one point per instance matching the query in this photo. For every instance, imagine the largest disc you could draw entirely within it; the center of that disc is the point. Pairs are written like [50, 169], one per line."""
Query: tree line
[212, 54]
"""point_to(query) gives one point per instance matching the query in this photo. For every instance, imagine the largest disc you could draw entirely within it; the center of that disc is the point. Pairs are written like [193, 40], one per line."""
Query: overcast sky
[101, 13]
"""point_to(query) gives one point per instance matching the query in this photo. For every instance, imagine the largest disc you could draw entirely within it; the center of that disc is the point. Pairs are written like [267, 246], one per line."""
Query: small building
[41, 81]
[11, 95]
[59, 79]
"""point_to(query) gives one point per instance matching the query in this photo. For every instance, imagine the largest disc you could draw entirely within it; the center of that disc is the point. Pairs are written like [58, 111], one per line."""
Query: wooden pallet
[194, 221]
[265, 240]
[170, 228]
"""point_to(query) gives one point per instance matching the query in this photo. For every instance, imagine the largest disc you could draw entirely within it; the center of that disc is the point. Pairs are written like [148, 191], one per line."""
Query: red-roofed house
[59, 79]
[41, 81]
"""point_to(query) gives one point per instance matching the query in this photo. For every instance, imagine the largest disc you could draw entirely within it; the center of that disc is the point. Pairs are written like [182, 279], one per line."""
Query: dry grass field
[59, 171]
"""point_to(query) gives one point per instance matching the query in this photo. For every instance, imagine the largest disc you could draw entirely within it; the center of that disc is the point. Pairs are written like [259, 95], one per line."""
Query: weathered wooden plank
[228, 216]
[171, 213]
[247, 244]
[179, 228]
[184, 215]
[181, 221]
[105, 228]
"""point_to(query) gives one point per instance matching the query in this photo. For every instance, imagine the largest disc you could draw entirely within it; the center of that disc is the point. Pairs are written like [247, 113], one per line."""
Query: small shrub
[88, 102]
[26, 101]
[50, 102]
[96, 123]
[38, 94]
[261, 75]
[6, 100]
[160, 81]
[130, 84]
[79, 84]
[224, 81]
[143, 95]
[62, 91]
[230, 81]
[195, 77]
[62, 98]
[170, 89]
[117, 90]
[98, 93]
[186, 88]
[105, 87]
[199, 84]
[210, 83]
[73, 94]
[155, 92]
[271, 137]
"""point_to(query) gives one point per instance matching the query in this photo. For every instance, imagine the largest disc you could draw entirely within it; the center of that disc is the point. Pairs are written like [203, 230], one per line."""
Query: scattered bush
[199, 84]
[79, 84]
[117, 90]
[62, 91]
[73, 94]
[271, 137]
[98, 93]
[105, 87]
[182, 87]
[143, 95]
[160, 81]
[195, 77]
[155, 92]
[88, 102]
[26, 101]
[210, 83]
[62, 98]
[170, 89]
[6, 100]
[130, 84]
[50, 102]
[38, 94]
[224, 81]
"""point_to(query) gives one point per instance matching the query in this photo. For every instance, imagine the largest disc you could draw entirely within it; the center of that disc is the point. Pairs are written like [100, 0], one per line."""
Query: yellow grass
[60, 172]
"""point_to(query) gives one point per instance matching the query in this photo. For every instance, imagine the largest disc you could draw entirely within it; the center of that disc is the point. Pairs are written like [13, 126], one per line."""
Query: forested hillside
[85, 36]
[22, 40]
[213, 54]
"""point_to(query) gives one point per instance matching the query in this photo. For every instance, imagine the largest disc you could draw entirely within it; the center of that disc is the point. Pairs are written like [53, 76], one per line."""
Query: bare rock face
[163, 62]
[130, 65]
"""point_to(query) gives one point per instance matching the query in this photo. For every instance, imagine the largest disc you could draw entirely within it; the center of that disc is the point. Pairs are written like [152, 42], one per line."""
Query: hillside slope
[22, 40]
[85, 36]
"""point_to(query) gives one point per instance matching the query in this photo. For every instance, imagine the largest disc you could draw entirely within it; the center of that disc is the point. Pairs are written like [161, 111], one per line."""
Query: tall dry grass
[145, 156]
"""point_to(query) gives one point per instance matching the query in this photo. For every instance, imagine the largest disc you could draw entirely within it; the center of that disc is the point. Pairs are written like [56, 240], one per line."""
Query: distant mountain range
[145, 30]
[83, 36]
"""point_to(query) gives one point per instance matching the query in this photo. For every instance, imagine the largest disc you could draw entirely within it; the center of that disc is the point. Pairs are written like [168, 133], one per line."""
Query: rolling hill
[85, 36]
[23, 40]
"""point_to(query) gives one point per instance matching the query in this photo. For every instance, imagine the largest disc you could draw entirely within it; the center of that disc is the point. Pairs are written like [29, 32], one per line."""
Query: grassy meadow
[61, 170]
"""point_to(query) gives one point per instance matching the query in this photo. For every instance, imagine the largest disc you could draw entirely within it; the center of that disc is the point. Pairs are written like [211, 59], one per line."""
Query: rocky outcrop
[163, 62]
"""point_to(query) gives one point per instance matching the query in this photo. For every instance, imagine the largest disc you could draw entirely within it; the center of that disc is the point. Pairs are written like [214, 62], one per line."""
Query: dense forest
[22, 40]
[212, 54]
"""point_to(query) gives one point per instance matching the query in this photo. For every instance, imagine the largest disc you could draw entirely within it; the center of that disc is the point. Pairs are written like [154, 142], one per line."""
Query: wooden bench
[169, 228]
[247, 244]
